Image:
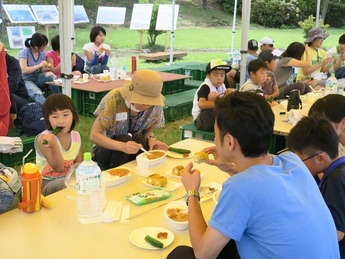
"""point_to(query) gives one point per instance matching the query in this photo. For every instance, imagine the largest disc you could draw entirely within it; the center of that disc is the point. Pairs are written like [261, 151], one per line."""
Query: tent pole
[172, 33]
[233, 28]
[317, 13]
[245, 30]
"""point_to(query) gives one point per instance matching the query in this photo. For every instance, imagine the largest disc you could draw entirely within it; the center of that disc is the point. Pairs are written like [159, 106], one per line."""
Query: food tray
[148, 196]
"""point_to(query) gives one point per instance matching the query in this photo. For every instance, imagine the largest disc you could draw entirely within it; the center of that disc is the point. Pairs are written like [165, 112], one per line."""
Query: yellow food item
[154, 154]
[178, 170]
[106, 78]
[81, 80]
[157, 180]
[102, 48]
[6, 179]
[50, 65]
[74, 56]
[46, 202]
[178, 214]
[200, 157]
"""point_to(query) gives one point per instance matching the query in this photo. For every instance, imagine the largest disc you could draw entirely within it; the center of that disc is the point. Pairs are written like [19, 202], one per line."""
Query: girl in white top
[61, 150]
[96, 52]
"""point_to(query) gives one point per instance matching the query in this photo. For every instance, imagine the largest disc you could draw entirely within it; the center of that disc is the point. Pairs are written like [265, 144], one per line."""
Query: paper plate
[137, 237]
[79, 82]
[171, 185]
[177, 155]
[207, 193]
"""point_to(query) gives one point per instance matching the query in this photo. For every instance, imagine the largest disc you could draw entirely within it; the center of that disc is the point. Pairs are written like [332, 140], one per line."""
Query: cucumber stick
[179, 150]
[55, 132]
[154, 242]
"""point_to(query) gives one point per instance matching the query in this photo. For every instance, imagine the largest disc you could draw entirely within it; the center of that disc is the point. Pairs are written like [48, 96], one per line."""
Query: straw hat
[144, 88]
[315, 33]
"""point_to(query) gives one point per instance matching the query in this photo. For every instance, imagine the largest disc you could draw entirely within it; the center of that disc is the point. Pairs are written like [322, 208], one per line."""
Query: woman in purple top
[35, 68]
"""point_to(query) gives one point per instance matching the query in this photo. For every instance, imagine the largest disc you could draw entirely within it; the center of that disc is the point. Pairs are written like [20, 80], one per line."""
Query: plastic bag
[10, 189]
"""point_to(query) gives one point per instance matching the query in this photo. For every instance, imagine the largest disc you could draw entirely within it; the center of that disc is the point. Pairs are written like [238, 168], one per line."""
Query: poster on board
[19, 13]
[46, 14]
[80, 15]
[18, 35]
[141, 16]
[164, 17]
[111, 15]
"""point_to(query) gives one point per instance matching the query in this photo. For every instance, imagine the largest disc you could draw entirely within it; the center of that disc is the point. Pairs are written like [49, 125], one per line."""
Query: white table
[56, 233]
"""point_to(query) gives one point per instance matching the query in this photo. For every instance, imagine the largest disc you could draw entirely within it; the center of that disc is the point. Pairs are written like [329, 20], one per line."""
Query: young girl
[53, 57]
[62, 150]
[35, 68]
[96, 52]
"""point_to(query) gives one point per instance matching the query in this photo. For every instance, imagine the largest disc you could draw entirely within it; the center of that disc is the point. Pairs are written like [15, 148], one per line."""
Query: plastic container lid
[87, 156]
[31, 168]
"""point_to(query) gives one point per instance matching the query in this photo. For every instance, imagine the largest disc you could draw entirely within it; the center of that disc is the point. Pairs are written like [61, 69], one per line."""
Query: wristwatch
[191, 193]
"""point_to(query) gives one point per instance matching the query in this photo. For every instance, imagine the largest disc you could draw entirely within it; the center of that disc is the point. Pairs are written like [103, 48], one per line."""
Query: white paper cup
[85, 77]
[106, 72]
[143, 166]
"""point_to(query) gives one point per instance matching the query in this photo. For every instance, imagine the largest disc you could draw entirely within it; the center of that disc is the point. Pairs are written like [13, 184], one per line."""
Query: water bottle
[113, 68]
[31, 188]
[90, 192]
[332, 85]
[236, 59]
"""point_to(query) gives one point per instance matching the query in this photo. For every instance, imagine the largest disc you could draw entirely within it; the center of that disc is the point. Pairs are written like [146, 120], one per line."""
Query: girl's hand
[44, 63]
[107, 52]
[131, 147]
[51, 139]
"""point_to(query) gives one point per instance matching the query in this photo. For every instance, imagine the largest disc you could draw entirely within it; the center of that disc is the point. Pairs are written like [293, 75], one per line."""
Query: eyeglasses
[313, 156]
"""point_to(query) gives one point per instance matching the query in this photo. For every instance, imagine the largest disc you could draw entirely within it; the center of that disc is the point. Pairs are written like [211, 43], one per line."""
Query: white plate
[177, 155]
[79, 82]
[102, 81]
[171, 185]
[179, 177]
[215, 196]
[137, 237]
[117, 181]
[206, 196]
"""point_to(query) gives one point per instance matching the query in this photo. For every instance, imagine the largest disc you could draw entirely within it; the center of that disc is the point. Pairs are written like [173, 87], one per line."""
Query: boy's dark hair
[332, 107]
[253, 45]
[294, 50]
[255, 65]
[342, 39]
[313, 134]
[95, 31]
[55, 42]
[249, 118]
[56, 102]
[37, 40]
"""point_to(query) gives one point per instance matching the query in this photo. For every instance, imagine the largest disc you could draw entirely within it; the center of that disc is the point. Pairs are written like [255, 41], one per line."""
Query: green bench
[189, 131]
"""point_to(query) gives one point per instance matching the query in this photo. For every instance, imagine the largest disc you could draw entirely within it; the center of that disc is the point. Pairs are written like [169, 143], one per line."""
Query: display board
[164, 18]
[46, 14]
[19, 13]
[141, 16]
[111, 15]
[80, 15]
[18, 35]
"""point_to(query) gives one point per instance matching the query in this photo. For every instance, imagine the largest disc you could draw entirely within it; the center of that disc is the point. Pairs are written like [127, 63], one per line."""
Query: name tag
[121, 116]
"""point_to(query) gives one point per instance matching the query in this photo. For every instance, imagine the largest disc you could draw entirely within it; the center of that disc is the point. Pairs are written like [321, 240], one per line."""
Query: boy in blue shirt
[272, 207]
[316, 142]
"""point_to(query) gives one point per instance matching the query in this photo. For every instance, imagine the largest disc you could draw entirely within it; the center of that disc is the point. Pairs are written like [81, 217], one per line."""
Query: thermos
[134, 64]
[294, 101]
[31, 188]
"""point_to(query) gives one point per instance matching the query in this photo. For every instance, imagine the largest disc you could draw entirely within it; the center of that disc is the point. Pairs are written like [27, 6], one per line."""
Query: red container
[134, 64]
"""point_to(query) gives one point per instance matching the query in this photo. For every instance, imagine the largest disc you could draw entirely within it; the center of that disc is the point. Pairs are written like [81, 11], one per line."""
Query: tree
[204, 4]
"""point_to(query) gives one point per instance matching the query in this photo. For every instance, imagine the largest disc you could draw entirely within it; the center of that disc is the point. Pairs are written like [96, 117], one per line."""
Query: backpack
[30, 121]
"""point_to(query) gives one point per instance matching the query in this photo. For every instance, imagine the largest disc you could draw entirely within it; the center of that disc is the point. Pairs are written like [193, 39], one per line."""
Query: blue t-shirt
[248, 59]
[26, 53]
[276, 212]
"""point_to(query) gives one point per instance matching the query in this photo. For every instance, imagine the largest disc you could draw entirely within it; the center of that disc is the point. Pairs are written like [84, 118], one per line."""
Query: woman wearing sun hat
[319, 62]
[126, 118]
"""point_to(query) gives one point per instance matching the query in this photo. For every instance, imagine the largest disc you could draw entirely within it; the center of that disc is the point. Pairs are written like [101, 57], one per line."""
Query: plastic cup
[143, 166]
[106, 72]
[85, 77]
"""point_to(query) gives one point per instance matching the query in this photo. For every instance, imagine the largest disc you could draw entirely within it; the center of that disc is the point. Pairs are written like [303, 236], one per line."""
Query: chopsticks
[144, 212]
[281, 151]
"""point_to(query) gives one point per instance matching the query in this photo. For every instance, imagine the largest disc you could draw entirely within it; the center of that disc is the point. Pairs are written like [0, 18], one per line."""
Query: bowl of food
[116, 176]
[215, 196]
[176, 212]
[155, 156]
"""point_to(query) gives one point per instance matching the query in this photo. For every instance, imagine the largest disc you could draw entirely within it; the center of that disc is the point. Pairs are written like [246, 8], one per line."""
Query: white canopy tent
[66, 27]
[246, 4]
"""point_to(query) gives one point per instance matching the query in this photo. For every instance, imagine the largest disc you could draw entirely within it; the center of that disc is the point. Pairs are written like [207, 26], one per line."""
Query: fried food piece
[178, 170]
[157, 180]
[200, 157]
